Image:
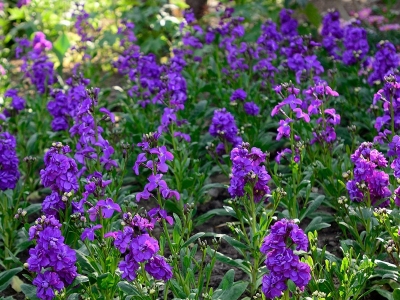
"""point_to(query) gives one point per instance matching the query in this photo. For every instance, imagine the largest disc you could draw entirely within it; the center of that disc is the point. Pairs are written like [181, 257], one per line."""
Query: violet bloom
[251, 109]
[385, 60]
[9, 174]
[238, 94]
[60, 172]
[129, 268]
[17, 103]
[22, 3]
[223, 125]
[366, 161]
[88, 233]
[159, 268]
[108, 207]
[283, 264]
[332, 33]
[246, 169]
[355, 43]
[46, 283]
[143, 247]
[52, 255]
[288, 24]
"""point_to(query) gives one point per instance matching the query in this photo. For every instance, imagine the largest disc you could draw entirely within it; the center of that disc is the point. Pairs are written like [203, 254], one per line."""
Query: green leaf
[6, 277]
[84, 262]
[129, 289]
[227, 280]
[312, 206]
[33, 208]
[238, 263]
[16, 14]
[388, 295]
[232, 293]
[313, 14]
[74, 296]
[214, 212]
[193, 239]
[61, 45]
[80, 279]
[29, 291]
[316, 224]
[396, 294]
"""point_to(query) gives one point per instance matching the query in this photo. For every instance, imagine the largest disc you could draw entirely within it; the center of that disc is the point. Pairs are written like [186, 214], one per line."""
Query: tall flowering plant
[253, 206]
[282, 262]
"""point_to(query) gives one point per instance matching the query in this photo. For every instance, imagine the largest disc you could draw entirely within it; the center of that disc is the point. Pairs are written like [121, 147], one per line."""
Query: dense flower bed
[101, 187]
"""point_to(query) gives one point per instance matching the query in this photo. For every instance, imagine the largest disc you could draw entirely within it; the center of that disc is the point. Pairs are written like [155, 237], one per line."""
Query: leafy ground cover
[247, 151]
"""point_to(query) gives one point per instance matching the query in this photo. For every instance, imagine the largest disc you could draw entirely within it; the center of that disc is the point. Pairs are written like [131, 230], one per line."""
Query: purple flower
[283, 264]
[108, 207]
[158, 213]
[123, 239]
[283, 129]
[17, 103]
[251, 109]
[288, 24]
[159, 268]
[60, 172]
[129, 268]
[238, 94]
[223, 125]
[246, 169]
[52, 204]
[385, 60]
[108, 114]
[46, 283]
[143, 247]
[88, 233]
[355, 43]
[9, 174]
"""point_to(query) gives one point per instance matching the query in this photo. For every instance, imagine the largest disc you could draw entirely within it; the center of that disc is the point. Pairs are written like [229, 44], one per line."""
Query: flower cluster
[332, 33]
[223, 125]
[139, 248]
[369, 184]
[90, 134]
[283, 264]
[355, 43]
[84, 29]
[37, 66]
[52, 260]
[386, 60]
[9, 174]
[246, 170]
[294, 103]
[316, 97]
[155, 159]
[250, 108]
[59, 174]
[17, 103]
[388, 96]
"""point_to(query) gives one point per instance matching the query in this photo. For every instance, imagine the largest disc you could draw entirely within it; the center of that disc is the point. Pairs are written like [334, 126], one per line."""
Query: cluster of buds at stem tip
[342, 200]
[20, 215]
[210, 147]
[390, 78]
[125, 149]
[29, 159]
[57, 144]
[319, 295]
[390, 247]
[257, 296]
[79, 219]
[66, 196]
[346, 175]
